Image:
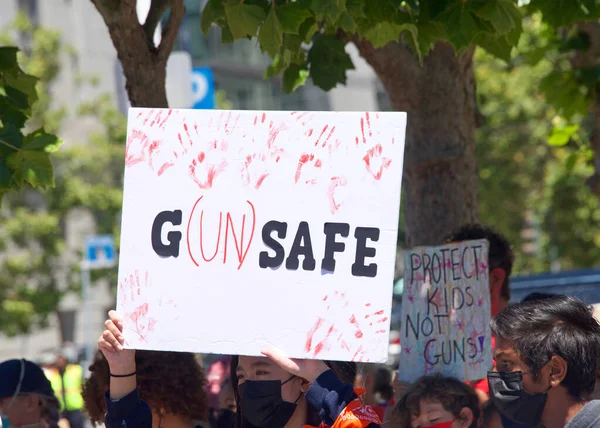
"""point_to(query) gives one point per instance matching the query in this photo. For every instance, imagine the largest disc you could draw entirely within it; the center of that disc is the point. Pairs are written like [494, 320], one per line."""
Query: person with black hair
[547, 354]
[537, 296]
[26, 396]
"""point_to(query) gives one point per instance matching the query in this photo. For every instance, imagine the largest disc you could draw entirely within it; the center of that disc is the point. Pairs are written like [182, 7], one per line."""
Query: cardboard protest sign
[244, 230]
[446, 312]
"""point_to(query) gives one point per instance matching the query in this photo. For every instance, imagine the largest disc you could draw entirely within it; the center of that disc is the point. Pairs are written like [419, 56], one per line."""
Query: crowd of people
[546, 353]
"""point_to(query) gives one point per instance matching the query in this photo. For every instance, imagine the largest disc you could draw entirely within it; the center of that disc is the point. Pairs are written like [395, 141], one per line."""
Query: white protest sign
[446, 312]
[244, 230]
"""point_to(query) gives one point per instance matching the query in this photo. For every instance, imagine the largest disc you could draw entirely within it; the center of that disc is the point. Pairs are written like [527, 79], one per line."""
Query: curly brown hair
[450, 392]
[161, 378]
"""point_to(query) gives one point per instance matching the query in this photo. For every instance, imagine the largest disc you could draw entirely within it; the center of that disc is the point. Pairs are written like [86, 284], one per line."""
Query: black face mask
[511, 399]
[262, 405]
[224, 419]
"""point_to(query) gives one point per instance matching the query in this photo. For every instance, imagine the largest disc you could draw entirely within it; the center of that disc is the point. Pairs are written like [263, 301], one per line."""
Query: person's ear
[304, 385]
[558, 370]
[465, 417]
[497, 277]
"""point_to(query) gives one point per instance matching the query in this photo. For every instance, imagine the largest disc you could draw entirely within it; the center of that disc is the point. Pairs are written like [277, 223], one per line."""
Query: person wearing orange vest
[66, 382]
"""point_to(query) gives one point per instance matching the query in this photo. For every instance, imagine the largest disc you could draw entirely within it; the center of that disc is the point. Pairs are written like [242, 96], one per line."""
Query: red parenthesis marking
[188, 231]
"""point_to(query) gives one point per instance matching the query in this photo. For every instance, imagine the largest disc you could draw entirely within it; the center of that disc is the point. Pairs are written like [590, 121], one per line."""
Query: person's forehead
[505, 349]
[247, 363]
[430, 406]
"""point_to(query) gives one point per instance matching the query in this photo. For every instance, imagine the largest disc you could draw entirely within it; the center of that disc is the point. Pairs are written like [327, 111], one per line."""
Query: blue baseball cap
[23, 376]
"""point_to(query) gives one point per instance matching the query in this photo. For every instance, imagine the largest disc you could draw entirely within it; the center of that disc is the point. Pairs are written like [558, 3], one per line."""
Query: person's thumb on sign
[306, 369]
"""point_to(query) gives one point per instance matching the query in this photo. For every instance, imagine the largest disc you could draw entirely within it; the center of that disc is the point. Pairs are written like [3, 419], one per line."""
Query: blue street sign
[203, 88]
[100, 250]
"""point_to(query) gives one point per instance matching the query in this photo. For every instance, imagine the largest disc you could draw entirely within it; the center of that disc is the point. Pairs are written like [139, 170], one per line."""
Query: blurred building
[238, 70]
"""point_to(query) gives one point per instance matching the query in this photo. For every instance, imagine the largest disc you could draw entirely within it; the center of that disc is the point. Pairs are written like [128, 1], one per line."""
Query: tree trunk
[144, 65]
[587, 59]
[440, 175]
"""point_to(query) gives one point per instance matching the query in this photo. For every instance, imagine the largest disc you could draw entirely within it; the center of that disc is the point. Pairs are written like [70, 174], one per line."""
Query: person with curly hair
[169, 384]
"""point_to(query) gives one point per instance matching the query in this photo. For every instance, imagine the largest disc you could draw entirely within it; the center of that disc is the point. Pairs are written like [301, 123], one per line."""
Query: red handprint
[375, 162]
[257, 166]
[133, 293]
[325, 335]
[310, 164]
[136, 147]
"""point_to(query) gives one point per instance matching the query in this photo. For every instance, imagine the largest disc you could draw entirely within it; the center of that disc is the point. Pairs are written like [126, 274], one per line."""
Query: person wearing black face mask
[547, 354]
[277, 392]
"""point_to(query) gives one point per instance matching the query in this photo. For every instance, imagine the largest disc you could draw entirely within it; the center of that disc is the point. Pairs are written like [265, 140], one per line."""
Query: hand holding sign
[306, 369]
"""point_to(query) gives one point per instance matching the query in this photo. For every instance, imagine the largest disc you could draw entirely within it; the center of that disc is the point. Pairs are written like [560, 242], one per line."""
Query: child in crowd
[437, 401]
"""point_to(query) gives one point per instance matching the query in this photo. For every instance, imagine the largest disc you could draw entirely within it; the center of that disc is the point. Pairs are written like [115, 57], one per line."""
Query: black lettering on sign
[174, 238]
[455, 264]
[331, 245]
[362, 251]
[264, 259]
[302, 246]
[415, 265]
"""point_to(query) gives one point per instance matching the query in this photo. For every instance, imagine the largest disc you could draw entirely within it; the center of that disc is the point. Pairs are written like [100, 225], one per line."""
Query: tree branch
[169, 34]
[157, 9]
[109, 9]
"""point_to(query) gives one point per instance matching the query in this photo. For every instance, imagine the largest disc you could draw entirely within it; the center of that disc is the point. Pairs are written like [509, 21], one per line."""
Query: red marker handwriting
[238, 231]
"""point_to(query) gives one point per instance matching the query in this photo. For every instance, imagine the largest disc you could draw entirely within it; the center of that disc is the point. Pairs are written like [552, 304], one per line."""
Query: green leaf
[356, 8]
[8, 59]
[10, 114]
[226, 35]
[243, 19]
[293, 77]
[5, 176]
[23, 83]
[213, 13]
[560, 13]
[40, 140]
[346, 22]
[428, 33]
[329, 8]
[11, 139]
[17, 98]
[328, 62]
[383, 33]
[500, 13]
[308, 29]
[562, 136]
[270, 35]
[498, 46]
[462, 28]
[276, 67]
[291, 17]
[31, 167]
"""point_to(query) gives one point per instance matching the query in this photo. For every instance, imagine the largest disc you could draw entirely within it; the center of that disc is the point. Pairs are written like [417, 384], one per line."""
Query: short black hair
[450, 392]
[537, 296]
[500, 253]
[559, 325]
